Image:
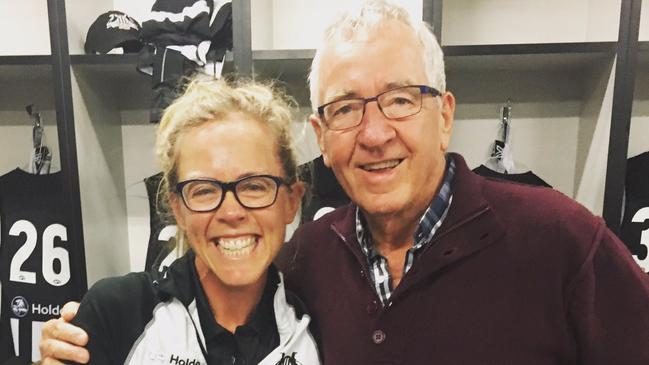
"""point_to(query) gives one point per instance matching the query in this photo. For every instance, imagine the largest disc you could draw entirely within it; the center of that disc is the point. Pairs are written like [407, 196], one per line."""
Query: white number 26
[50, 254]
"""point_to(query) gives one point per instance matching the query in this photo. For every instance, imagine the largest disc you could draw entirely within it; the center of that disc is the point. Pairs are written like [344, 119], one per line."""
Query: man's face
[388, 167]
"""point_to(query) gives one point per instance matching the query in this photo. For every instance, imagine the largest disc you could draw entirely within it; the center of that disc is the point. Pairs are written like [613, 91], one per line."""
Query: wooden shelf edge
[529, 49]
[282, 54]
[104, 59]
[26, 60]
[468, 50]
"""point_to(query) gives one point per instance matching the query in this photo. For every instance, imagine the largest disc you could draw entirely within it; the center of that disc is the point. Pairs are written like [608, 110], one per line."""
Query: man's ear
[316, 123]
[295, 194]
[446, 122]
[175, 203]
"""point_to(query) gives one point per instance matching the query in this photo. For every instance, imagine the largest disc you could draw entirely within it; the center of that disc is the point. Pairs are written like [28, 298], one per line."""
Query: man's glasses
[396, 103]
[254, 192]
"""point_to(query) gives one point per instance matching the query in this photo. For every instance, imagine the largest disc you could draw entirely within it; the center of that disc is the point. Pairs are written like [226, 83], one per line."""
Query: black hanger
[41, 154]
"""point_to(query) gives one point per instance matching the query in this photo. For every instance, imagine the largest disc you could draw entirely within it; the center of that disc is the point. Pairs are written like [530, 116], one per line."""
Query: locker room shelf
[552, 56]
[122, 84]
[292, 66]
[643, 56]
[525, 72]
[27, 68]
[116, 64]
[113, 67]
[118, 73]
[25, 60]
[642, 76]
[289, 66]
[532, 57]
[26, 80]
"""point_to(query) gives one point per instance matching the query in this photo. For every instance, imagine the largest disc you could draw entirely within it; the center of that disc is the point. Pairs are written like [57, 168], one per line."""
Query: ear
[294, 194]
[176, 206]
[316, 123]
[446, 123]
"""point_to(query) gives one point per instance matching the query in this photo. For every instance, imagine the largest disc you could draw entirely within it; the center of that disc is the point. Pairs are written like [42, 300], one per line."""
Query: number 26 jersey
[37, 269]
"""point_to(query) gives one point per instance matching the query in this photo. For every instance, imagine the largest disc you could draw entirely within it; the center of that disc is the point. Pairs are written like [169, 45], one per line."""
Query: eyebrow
[239, 177]
[349, 94]
[342, 95]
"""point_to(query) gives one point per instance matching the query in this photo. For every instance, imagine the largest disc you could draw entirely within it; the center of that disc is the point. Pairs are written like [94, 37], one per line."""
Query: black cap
[112, 30]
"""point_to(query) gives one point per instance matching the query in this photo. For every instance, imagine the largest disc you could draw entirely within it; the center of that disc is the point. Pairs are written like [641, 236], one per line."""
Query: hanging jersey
[326, 193]
[635, 222]
[163, 226]
[528, 177]
[184, 37]
[37, 269]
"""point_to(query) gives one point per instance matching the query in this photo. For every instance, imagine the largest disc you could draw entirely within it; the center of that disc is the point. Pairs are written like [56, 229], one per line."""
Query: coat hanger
[500, 159]
[41, 157]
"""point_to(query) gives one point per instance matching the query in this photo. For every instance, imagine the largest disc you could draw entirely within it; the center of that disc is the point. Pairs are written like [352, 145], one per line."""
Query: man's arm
[609, 306]
[63, 341]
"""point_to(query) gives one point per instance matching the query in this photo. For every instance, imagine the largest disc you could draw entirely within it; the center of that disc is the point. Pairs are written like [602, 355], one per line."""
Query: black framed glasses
[253, 192]
[395, 103]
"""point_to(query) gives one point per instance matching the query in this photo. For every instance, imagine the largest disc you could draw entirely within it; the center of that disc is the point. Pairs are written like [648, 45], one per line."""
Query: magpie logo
[322, 211]
[288, 360]
[121, 21]
[19, 306]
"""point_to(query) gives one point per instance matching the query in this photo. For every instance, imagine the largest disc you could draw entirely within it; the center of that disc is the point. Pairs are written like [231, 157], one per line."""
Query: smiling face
[235, 243]
[388, 167]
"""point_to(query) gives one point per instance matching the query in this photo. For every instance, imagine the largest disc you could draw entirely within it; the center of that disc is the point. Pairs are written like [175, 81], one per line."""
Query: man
[432, 263]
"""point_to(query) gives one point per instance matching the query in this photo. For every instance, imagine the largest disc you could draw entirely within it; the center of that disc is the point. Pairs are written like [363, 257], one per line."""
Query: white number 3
[50, 254]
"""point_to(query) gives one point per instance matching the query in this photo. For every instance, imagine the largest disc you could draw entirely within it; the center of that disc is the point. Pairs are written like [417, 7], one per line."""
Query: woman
[230, 179]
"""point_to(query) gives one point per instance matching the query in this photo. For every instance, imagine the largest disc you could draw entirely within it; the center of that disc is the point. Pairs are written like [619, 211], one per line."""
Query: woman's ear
[176, 207]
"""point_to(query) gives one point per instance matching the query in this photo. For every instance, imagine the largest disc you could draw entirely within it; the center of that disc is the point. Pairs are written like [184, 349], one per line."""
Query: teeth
[238, 246]
[381, 165]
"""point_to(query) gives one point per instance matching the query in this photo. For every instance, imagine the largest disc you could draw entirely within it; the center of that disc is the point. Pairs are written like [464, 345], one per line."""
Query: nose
[230, 211]
[375, 129]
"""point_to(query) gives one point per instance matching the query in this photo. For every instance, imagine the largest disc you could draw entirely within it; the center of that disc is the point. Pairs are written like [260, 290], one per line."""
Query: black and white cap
[113, 29]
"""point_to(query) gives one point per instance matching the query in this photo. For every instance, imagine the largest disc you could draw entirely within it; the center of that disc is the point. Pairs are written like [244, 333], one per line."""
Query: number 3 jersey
[37, 269]
[635, 223]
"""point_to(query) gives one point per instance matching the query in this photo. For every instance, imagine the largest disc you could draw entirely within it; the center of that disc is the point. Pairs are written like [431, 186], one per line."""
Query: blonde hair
[359, 22]
[207, 100]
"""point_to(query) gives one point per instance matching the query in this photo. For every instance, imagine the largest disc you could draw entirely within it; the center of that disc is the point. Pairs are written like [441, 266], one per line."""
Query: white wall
[516, 21]
[136, 9]
[101, 177]
[298, 24]
[644, 22]
[24, 28]
[139, 163]
[590, 191]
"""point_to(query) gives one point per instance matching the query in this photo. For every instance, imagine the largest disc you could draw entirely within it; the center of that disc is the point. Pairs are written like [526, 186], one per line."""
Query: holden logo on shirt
[19, 306]
[288, 360]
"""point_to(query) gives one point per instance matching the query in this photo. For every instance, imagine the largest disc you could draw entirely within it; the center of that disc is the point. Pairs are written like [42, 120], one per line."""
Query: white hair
[360, 21]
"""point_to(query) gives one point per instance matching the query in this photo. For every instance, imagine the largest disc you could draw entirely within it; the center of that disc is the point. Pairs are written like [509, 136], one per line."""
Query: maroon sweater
[516, 275]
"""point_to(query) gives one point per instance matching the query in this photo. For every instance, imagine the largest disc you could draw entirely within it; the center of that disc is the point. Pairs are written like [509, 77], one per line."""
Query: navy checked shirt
[428, 225]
